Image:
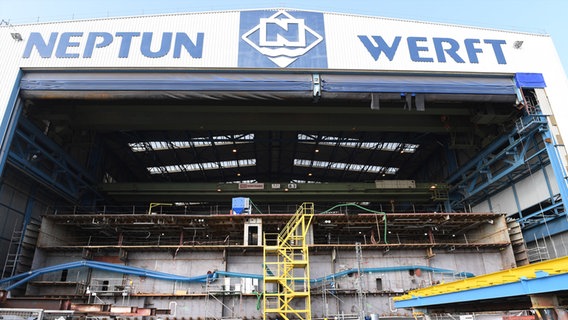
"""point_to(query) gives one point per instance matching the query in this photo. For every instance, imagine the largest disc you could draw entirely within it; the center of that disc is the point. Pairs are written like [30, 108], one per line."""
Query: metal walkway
[547, 277]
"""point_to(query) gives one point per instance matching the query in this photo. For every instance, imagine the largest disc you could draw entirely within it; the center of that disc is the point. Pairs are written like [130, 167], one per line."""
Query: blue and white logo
[282, 38]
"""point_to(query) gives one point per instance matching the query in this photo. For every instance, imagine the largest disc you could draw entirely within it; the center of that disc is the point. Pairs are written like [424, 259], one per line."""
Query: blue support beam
[507, 160]
[35, 154]
[544, 229]
[540, 285]
[528, 148]
[556, 163]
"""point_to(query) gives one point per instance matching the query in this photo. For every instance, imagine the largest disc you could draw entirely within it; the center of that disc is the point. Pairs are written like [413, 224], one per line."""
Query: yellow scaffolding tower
[286, 282]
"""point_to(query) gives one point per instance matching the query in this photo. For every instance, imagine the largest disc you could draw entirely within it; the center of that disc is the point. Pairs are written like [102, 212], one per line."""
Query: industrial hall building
[281, 164]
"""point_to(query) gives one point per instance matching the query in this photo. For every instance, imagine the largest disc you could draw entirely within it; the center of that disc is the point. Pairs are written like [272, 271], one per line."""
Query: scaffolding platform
[544, 277]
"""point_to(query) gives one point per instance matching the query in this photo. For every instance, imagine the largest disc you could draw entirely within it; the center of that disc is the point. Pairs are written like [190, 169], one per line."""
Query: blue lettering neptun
[79, 45]
[44, 49]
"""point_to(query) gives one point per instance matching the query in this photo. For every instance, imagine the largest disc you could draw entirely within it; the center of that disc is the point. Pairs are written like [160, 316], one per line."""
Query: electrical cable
[362, 208]
[254, 205]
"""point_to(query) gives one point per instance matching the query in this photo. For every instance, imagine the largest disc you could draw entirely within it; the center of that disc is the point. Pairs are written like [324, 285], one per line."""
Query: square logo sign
[282, 39]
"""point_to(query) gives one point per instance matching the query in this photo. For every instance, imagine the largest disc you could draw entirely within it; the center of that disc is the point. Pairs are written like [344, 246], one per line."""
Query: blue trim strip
[539, 285]
[529, 80]
[109, 81]
[419, 84]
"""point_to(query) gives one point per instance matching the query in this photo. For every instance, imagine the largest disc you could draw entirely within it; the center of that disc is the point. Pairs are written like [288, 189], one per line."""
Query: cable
[362, 208]
[254, 205]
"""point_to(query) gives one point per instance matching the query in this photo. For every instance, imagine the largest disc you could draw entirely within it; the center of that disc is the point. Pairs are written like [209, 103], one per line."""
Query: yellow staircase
[286, 282]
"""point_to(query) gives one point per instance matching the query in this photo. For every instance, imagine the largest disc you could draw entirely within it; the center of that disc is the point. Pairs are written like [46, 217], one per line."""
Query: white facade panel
[482, 207]
[530, 191]
[504, 202]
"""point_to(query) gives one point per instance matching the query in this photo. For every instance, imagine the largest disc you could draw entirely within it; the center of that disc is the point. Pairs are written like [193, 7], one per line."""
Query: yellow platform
[530, 271]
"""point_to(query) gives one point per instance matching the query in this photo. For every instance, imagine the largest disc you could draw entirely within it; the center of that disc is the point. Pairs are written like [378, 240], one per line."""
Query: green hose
[258, 299]
[362, 208]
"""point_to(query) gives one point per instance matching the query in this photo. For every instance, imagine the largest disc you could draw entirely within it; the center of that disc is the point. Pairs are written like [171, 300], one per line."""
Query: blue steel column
[9, 122]
[556, 163]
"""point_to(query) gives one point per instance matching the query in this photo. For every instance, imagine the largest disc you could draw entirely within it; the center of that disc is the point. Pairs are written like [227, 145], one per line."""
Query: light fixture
[17, 36]
[234, 150]
[317, 150]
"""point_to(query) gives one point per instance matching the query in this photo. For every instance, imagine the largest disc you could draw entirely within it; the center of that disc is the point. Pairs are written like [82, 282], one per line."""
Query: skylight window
[202, 166]
[356, 143]
[345, 166]
[193, 143]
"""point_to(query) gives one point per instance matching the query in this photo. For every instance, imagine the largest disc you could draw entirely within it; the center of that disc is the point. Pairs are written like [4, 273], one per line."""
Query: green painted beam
[275, 192]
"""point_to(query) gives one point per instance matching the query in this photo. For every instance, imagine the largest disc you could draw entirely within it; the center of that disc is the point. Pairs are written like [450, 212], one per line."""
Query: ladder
[21, 250]
[518, 243]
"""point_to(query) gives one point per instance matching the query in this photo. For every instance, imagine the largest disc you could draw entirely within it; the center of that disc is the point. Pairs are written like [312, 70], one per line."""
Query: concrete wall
[341, 298]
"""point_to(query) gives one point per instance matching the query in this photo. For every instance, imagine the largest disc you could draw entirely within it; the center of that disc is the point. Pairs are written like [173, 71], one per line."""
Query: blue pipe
[391, 269]
[25, 277]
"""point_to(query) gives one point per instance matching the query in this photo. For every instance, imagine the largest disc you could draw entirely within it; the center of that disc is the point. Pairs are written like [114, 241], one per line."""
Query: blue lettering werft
[415, 50]
[496, 44]
[381, 46]
[421, 49]
[472, 51]
[452, 51]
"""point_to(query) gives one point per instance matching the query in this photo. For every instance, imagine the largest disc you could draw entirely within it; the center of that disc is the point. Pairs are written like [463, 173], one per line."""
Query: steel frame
[528, 148]
[34, 153]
